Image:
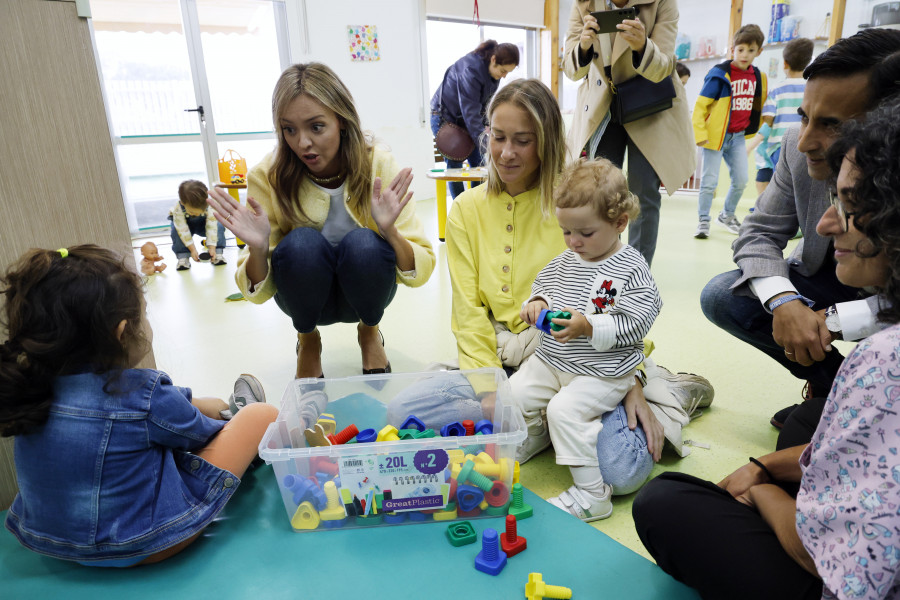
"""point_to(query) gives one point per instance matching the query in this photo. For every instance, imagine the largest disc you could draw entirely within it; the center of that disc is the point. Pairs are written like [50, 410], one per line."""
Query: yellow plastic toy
[328, 423]
[388, 434]
[536, 589]
[306, 517]
[334, 510]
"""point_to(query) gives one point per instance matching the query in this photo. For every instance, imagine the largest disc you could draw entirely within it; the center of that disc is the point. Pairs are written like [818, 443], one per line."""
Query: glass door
[186, 80]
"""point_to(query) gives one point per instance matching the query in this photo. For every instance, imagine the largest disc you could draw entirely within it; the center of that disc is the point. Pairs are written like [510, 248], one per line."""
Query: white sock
[589, 479]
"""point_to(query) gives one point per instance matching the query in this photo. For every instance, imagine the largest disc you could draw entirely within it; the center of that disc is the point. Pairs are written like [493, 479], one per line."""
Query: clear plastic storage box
[409, 476]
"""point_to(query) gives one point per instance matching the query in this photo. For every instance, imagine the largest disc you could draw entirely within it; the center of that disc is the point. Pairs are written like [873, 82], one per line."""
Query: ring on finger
[788, 352]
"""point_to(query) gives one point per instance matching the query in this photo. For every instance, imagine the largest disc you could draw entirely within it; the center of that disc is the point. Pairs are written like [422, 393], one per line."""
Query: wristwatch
[833, 322]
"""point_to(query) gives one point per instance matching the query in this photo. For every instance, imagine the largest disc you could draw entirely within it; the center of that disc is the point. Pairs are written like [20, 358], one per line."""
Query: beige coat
[666, 138]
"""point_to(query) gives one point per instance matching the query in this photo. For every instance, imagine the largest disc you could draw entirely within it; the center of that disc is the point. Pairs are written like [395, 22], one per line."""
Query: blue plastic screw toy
[543, 321]
[491, 559]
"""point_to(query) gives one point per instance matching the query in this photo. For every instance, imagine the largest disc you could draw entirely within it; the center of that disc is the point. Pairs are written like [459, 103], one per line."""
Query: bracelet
[776, 303]
[763, 467]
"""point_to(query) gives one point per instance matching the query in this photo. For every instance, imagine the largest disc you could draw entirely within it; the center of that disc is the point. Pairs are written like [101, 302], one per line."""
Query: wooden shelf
[696, 59]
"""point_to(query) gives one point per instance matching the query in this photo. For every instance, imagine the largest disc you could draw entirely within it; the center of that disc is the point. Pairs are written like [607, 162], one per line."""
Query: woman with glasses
[752, 535]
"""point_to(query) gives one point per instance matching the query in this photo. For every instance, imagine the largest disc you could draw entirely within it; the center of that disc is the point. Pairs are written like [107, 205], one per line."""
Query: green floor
[204, 343]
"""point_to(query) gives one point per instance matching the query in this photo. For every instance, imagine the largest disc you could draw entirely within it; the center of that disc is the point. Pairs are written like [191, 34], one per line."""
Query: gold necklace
[321, 180]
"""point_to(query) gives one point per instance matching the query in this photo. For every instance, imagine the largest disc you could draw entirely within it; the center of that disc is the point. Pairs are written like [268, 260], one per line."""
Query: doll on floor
[151, 257]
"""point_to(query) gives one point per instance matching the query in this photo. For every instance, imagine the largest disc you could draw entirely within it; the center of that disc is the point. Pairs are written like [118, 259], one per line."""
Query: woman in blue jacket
[468, 86]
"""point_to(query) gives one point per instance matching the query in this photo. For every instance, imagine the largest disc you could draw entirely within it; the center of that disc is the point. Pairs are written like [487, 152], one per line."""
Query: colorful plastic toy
[511, 542]
[453, 430]
[468, 498]
[333, 514]
[543, 321]
[448, 514]
[536, 589]
[412, 422]
[345, 435]
[469, 426]
[461, 533]
[326, 420]
[305, 491]
[469, 474]
[306, 517]
[484, 427]
[498, 495]
[388, 434]
[366, 436]
[517, 507]
[491, 559]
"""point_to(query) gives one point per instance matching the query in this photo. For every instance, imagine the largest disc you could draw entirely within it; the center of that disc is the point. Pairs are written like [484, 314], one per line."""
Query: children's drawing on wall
[363, 43]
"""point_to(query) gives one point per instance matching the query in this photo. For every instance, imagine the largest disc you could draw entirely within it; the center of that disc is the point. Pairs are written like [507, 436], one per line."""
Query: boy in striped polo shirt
[780, 110]
[581, 373]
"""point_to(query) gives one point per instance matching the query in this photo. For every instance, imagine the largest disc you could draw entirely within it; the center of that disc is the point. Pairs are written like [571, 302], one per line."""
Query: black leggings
[709, 541]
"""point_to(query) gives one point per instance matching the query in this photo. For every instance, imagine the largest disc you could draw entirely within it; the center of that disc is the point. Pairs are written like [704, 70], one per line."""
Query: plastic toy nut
[491, 559]
[366, 436]
[388, 434]
[468, 497]
[461, 533]
[413, 422]
[498, 495]
[454, 429]
[543, 321]
[306, 517]
[536, 589]
[448, 514]
[511, 542]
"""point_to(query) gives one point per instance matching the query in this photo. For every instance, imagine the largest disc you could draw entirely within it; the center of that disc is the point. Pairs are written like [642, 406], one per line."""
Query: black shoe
[779, 418]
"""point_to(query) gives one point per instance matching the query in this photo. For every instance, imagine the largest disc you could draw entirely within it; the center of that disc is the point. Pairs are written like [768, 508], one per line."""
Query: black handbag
[639, 97]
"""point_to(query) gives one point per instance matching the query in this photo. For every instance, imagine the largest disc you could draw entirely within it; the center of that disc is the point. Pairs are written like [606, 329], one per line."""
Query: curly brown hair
[875, 143]
[62, 312]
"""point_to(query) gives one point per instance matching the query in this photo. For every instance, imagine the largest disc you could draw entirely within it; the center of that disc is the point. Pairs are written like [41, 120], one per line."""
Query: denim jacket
[109, 476]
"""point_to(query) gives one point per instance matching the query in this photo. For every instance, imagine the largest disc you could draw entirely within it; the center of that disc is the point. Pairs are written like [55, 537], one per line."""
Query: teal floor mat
[251, 552]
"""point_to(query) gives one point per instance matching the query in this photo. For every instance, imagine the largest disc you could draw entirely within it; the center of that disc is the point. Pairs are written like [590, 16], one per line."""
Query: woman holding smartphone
[660, 146]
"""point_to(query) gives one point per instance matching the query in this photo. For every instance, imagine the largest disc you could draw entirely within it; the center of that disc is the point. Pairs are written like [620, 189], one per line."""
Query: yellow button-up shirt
[495, 247]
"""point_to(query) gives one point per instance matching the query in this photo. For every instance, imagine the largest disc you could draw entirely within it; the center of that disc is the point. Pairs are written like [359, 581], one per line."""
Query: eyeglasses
[842, 214]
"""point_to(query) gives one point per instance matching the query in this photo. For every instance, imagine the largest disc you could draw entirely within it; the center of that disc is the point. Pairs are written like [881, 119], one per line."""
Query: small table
[441, 177]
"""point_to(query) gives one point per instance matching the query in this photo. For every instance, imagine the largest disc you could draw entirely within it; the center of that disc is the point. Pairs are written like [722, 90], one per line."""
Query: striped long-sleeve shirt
[782, 105]
[617, 295]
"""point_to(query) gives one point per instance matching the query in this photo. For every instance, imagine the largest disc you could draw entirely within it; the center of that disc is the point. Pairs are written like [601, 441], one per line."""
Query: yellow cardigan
[316, 203]
[495, 247]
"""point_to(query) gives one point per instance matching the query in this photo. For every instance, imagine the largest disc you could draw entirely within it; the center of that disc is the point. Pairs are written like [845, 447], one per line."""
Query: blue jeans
[197, 225]
[475, 159]
[642, 182]
[321, 284]
[622, 453]
[745, 318]
[734, 150]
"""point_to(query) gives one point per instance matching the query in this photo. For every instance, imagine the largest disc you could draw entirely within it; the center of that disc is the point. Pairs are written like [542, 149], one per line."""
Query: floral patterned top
[848, 508]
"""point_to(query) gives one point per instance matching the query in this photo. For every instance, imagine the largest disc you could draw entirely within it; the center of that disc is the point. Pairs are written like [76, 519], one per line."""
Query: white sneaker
[692, 391]
[730, 223]
[534, 444]
[702, 230]
[585, 505]
[218, 260]
[183, 264]
[247, 389]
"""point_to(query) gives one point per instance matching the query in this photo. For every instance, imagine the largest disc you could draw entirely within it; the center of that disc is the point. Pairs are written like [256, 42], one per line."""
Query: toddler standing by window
[116, 466]
[583, 371]
[190, 217]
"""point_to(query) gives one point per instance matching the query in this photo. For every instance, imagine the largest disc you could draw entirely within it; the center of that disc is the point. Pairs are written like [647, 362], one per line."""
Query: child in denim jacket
[116, 466]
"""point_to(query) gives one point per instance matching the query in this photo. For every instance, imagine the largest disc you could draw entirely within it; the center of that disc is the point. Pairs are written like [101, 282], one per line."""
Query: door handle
[199, 109]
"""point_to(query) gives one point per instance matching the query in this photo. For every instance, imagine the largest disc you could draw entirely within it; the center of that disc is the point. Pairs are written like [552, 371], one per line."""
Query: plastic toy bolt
[334, 510]
[388, 434]
[536, 589]
[517, 507]
[492, 469]
[484, 427]
[468, 473]
[469, 426]
[345, 435]
[511, 542]
[491, 559]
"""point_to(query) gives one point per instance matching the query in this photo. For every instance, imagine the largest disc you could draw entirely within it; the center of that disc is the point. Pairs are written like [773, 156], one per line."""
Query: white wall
[389, 93]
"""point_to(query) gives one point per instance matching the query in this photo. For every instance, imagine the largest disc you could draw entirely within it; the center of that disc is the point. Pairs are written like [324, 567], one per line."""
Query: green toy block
[558, 314]
[428, 433]
[461, 533]
[408, 434]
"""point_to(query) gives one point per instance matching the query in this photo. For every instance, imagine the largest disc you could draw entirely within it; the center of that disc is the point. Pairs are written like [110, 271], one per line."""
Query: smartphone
[608, 19]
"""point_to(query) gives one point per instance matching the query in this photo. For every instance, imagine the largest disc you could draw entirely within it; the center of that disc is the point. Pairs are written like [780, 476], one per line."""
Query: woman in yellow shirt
[329, 226]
